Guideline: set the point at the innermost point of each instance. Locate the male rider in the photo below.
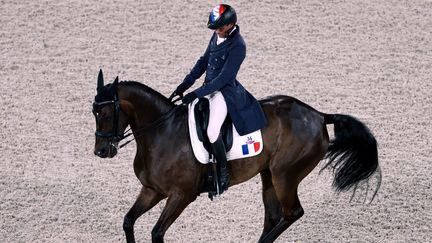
(221, 62)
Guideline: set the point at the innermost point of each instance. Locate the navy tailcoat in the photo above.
(221, 64)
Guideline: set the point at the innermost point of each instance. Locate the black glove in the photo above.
(189, 98)
(174, 94)
(181, 88)
(179, 91)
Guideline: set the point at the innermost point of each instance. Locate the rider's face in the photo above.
(223, 31)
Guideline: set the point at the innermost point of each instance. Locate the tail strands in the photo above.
(352, 155)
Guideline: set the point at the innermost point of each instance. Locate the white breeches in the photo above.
(218, 113)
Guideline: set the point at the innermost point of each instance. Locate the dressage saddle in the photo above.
(202, 114)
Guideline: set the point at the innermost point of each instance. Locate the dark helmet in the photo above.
(221, 15)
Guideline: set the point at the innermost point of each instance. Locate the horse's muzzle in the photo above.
(106, 151)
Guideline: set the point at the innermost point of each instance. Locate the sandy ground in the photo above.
(370, 59)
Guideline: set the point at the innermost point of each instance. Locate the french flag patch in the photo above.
(251, 146)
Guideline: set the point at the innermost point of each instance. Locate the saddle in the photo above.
(202, 114)
(237, 146)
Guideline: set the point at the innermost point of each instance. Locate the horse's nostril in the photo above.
(101, 152)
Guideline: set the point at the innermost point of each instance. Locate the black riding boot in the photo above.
(219, 153)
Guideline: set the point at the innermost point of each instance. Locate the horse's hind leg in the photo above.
(286, 175)
(175, 205)
(291, 211)
(273, 209)
(146, 199)
(285, 179)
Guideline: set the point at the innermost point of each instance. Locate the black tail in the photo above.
(352, 154)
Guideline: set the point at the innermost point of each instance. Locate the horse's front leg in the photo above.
(175, 205)
(146, 199)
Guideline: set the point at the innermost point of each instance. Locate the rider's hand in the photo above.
(189, 98)
(174, 94)
(179, 92)
(181, 88)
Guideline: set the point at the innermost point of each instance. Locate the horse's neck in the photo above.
(148, 105)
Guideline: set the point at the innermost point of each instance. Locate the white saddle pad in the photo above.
(243, 146)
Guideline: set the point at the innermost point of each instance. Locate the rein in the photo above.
(153, 124)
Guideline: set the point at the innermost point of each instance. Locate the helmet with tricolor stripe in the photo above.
(221, 15)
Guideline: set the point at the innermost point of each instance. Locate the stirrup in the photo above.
(214, 180)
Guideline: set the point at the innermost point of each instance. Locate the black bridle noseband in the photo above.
(115, 136)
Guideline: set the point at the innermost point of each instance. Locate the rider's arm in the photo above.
(228, 73)
(199, 68)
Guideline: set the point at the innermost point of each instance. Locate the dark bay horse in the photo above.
(295, 140)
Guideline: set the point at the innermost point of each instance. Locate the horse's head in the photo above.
(110, 120)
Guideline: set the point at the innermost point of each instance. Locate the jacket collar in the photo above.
(233, 35)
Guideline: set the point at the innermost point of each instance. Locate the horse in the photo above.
(295, 140)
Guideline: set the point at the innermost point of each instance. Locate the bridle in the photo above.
(115, 136)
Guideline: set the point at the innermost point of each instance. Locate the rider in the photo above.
(221, 62)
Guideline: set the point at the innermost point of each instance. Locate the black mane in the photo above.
(141, 86)
(108, 91)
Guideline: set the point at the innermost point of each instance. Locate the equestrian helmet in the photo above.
(221, 15)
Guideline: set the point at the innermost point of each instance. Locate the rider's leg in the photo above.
(218, 112)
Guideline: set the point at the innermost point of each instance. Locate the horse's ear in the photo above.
(100, 82)
(113, 86)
